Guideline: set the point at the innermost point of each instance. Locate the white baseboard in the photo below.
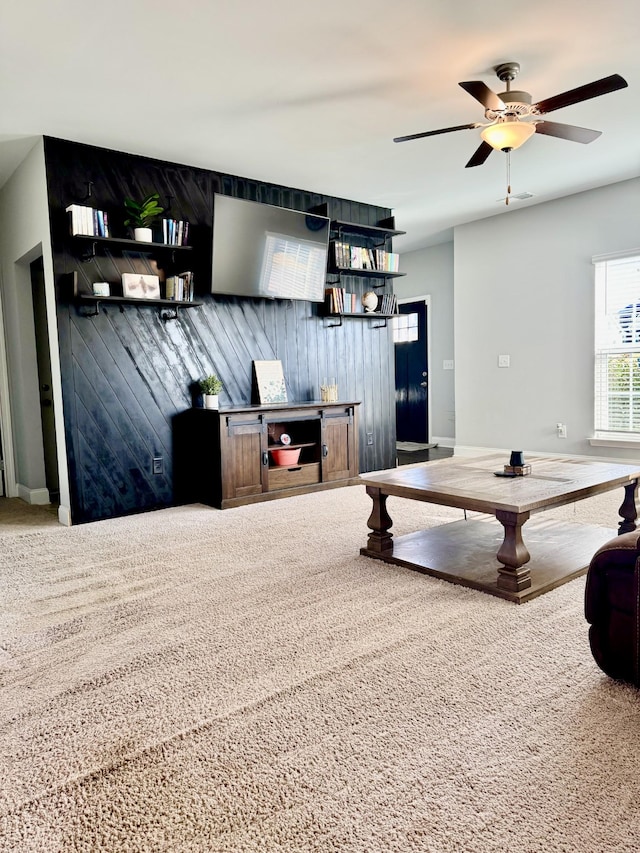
(64, 515)
(468, 450)
(443, 441)
(33, 496)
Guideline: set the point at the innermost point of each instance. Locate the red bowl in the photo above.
(286, 455)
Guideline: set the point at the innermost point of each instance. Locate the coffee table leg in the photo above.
(380, 540)
(628, 509)
(513, 552)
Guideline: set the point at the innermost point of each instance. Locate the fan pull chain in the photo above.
(506, 201)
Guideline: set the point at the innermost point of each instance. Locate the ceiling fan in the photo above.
(505, 129)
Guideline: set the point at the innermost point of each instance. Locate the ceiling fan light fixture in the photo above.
(507, 135)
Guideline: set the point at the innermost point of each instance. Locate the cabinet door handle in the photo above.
(265, 457)
(325, 451)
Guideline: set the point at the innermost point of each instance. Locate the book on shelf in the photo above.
(334, 300)
(87, 221)
(179, 288)
(340, 301)
(351, 303)
(389, 303)
(348, 257)
(175, 232)
(387, 261)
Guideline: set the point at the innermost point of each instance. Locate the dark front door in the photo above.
(412, 373)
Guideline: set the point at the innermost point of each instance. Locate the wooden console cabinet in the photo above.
(223, 457)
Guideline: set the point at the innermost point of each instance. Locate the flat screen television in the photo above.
(268, 251)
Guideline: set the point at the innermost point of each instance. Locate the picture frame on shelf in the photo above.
(269, 382)
(137, 286)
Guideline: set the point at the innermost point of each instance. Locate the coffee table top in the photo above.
(469, 482)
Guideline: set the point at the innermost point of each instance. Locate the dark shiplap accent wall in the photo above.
(126, 373)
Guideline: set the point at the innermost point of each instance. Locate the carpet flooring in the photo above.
(240, 681)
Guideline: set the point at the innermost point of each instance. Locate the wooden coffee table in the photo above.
(478, 553)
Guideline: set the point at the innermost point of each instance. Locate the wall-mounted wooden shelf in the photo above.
(383, 228)
(125, 241)
(364, 273)
(90, 245)
(359, 315)
(366, 230)
(169, 306)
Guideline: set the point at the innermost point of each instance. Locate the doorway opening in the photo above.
(45, 381)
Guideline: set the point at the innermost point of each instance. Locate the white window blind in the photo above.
(617, 347)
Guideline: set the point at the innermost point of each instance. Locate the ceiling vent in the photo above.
(517, 197)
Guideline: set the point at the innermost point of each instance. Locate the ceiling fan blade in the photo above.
(481, 154)
(567, 131)
(436, 132)
(582, 93)
(482, 93)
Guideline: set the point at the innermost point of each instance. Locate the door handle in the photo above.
(265, 457)
(423, 384)
(325, 451)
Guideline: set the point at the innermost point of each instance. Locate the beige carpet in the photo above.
(195, 680)
(16, 515)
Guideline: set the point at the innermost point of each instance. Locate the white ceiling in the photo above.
(310, 95)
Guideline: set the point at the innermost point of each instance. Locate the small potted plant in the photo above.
(142, 215)
(210, 386)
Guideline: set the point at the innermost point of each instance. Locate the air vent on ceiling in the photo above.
(516, 197)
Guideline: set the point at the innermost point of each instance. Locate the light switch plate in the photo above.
(504, 361)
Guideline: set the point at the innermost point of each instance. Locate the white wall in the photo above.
(24, 235)
(430, 273)
(524, 287)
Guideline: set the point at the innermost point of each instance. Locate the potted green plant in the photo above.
(210, 386)
(142, 215)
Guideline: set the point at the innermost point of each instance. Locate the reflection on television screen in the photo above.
(264, 250)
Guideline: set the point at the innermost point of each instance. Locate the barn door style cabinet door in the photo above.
(241, 439)
(258, 453)
(339, 447)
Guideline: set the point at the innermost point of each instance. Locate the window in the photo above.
(405, 328)
(617, 347)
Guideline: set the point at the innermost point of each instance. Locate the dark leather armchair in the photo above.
(612, 602)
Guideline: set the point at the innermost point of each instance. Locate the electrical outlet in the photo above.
(157, 464)
(369, 438)
(447, 364)
(561, 430)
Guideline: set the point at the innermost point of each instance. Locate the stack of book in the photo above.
(175, 232)
(346, 256)
(387, 261)
(180, 287)
(341, 301)
(88, 221)
(388, 303)
(334, 297)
